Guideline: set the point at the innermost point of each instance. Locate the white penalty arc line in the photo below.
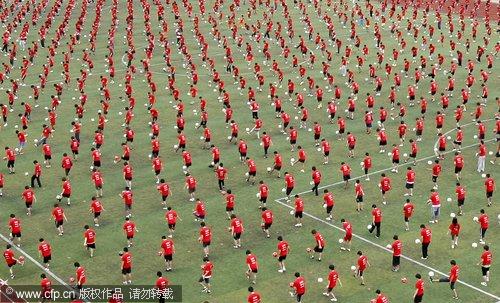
(390, 251)
(386, 169)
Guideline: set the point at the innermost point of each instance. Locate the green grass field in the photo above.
(229, 282)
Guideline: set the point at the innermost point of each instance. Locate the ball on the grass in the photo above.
(475, 219)
(448, 199)
(389, 154)
(341, 240)
(362, 163)
(417, 241)
(58, 197)
(369, 226)
(324, 206)
(159, 253)
(229, 137)
(448, 138)
(71, 280)
(353, 267)
(292, 212)
(91, 167)
(269, 168)
(453, 215)
(292, 160)
(431, 274)
(184, 167)
(201, 137)
(308, 249)
(337, 132)
(475, 136)
(498, 217)
(389, 246)
(247, 129)
(36, 141)
(404, 280)
(283, 190)
(287, 138)
(429, 162)
(320, 280)
(318, 149)
(311, 182)
(26, 173)
(247, 174)
(474, 245)
(405, 155)
(176, 146)
(483, 175)
(275, 254)
(257, 195)
(490, 153)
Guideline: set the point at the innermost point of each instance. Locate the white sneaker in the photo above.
(484, 283)
(298, 225)
(280, 270)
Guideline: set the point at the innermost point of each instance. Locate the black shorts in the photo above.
(16, 235)
(485, 270)
(326, 153)
(329, 209)
(317, 136)
(461, 202)
(47, 157)
(59, 223)
(347, 177)
(396, 260)
(281, 258)
(97, 163)
(11, 163)
(434, 179)
(368, 125)
(267, 226)
(126, 271)
(125, 158)
(419, 131)
(167, 257)
(252, 173)
(237, 236)
(418, 299)
(28, 204)
(359, 199)
(253, 270)
(457, 142)
(489, 194)
(97, 214)
(407, 219)
(396, 161)
(289, 190)
(298, 214)
(413, 155)
(130, 237)
(65, 195)
(294, 141)
(171, 226)
(206, 244)
(12, 264)
(206, 280)
(91, 245)
(47, 259)
(409, 185)
(318, 249)
(263, 199)
(458, 169)
(229, 208)
(191, 190)
(383, 143)
(442, 149)
(276, 167)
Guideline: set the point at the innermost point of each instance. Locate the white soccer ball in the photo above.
(36, 141)
(247, 174)
(283, 190)
(269, 169)
(474, 245)
(287, 139)
(453, 215)
(257, 195)
(318, 149)
(353, 268)
(292, 212)
(247, 129)
(490, 153)
(320, 280)
(202, 138)
(196, 124)
(58, 197)
(362, 163)
(483, 175)
(120, 113)
(417, 241)
(431, 274)
(292, 160)
(341, 240)
(475, 219)
(296, 117)
(337, 132)
(311, 182)
(176, 146)
(389, 154)
(369, 226)
(448, 199)
(475, 136)
(448, 138)
(405, 155)
(92, 119)
(26, 173)
(498, 217)
(324, 206)
(184, 167)
(389, 246)
(309, 129)
(229, 137)
(429, 162)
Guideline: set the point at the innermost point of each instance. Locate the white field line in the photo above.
(385, 169)
(390, 251)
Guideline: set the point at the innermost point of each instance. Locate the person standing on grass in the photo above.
(11, 260)
(419, 289)
(346, 243)
(397, 247)
(161, 285)
(253, 296)
(45, 252)
(481, 157)
(410, 181)
(376, 220)
(362, 265)
(483, 221)
(454, 231)
(319, 247)
(282, 253)
(298, 211)
(426, 235)
(380, 298)
(267, 221)
(489, 186)
(236, 229)
(298, 286)
(96, 208)
(81, 277)
(168, 251)
(385, 186)
(37, 173)
(452, 278)
(359, 193)
(435, 202)
(460, 191)
(15, 229)
(316, 180)
(129, 228)
(126, 266)
(346, 173)
(253, 267)
(206, 274)
(221, 173)
(333, 279)
(89, 240)
(29, 198)
(328, 203)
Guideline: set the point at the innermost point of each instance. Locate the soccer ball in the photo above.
(176, 146)
(320, 280)
(257, 195)
(308, 249)
(353, 268)
(35, 141)
(58, 197)
(452, 215)
(429, 162)
(431, 274)
(404, 280)
(336, 132)
(448, 138)
(362, 163)
(283, 190)
(405, 155)
(201, 138)
(229, 137)
(417, 241)
(341, 241)
(474, 245)
(292, 212)
(475, 136)
(247, 174)
(247, 129)
(26, 173)
(159, 253)
(388, 246)
(369, 226)
(448, 200)
(71, 280)
(311, 182)
(389, 154)
(483, 175)
(319, 149)
(275, 254)
(269, 168)
(91, 167)
(292, 160)
(475, 219)
(21, 259)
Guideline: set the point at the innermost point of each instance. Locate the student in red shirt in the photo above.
(253, 296)
(11, 260)
(221, 173)
(205, 238)
(376, 220)
(15, 229)
(362, 265)
(129, 228)
(380, 298)
(36, 174)
(126, 265)
(419, 289)
(236, 229)
(29, 198)
(452, 278)
(161, 284)
(167, 245)
(253, 267)
(316, 180)
(319, 247)
(483, 222)
(346, 173)
(485, 263)
(408, 209)
(96, 208)
(333, 279)
(46, 288)
(489, 186)
(267, 221)
(206, 274)
(426, 235)
(282, 253)
(45, 252)
(299, 287)
(397, 247)
(89, 239)
(454, 231)
(385, 186)
(81, 277)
